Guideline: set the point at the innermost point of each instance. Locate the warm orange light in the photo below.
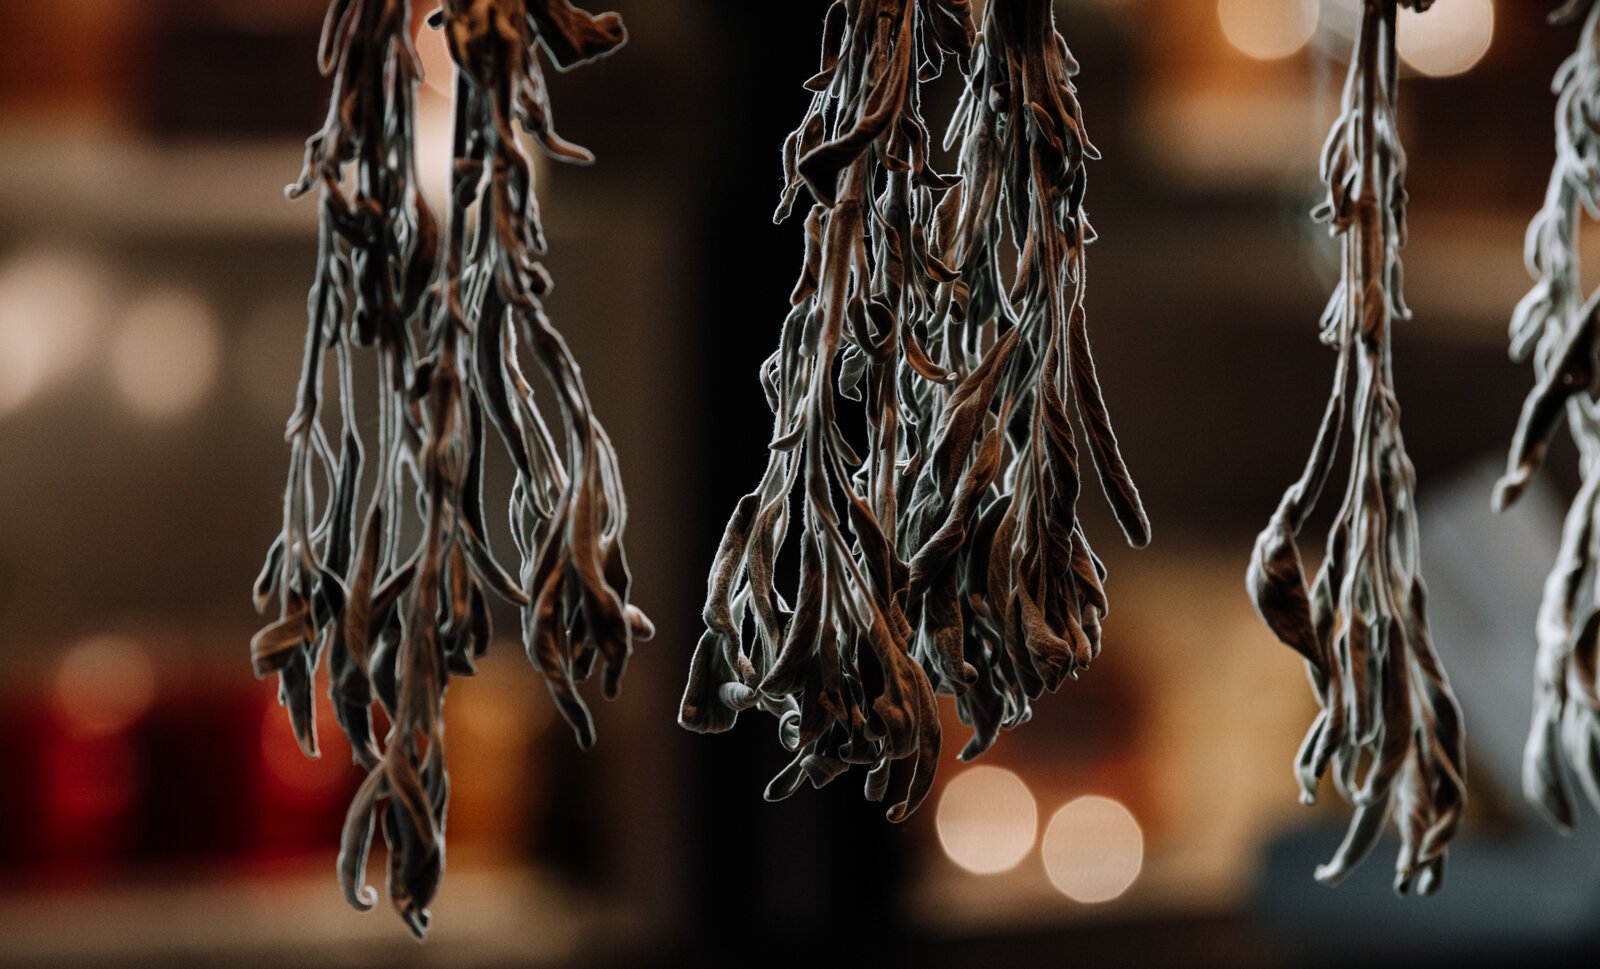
(492, 712)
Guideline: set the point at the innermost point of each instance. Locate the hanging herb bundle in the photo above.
(442, 314)
(1557, 328)
(980, 583)
(1010, 551)
(1389, 725)
(837, 669)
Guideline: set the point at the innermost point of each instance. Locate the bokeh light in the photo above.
(1447, 40)
(987, 820)
(1093, 849)
(103, 686)
(165, 353)
(1268, 29)
(51, 301)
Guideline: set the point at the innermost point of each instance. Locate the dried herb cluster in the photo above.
(1556, 326)
(444, 313)
(958, 565)
(1389, 725)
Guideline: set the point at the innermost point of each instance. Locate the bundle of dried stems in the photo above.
(1389, 724)
(964, 569)
(444, 313)
(1557, 327)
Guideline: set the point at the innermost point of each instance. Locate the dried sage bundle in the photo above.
(1556, 326)
(1389, 725)
(1005, 563)
(837, 668)
(963, 570)
(396, 617)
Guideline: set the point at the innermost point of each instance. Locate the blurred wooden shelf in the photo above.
(92, 182)
(484, 917)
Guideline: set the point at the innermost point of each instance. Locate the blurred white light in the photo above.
(987, 820)
(1268, 29)
(50, 304)
(103, 686)
(1093, 849)
(435, 141)
(1449, 39)
(164, 355)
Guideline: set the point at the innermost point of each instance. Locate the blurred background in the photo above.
(156, 811)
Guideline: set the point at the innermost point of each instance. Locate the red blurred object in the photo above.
(299, 801)
(210, 774)
(91, 785)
